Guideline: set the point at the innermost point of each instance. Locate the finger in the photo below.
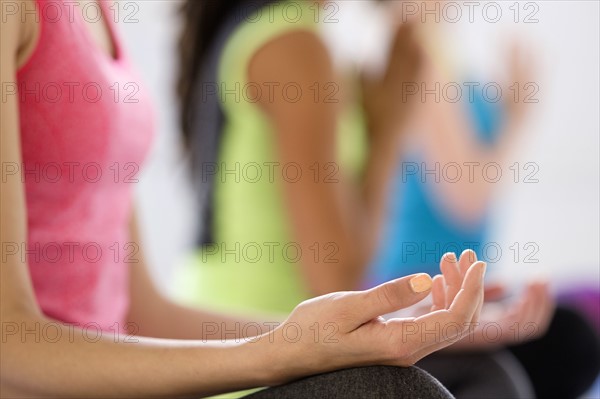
(452, 276)
(445, 340)
(518, 315)
(493, 292)
(448, 333)
(467, 258)
(439, 329)
(527, 317)
(438, 294)
(477, 313)
(469, 298)
(514, 313)
(471, 324)
(530, 306)
(391, 296)
(442, 328)
(543, 308)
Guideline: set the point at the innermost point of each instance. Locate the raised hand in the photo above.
(346, 329)
(384, 98)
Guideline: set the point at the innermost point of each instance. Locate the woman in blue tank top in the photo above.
(418, 227)
(440, 202)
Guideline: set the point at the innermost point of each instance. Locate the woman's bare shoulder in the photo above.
(20, 26)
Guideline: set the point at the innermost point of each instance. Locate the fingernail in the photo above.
(470, 253)
(482, 270)
(420, 283)
(467, 251)
(451, 256)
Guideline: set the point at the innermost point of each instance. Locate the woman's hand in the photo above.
(525, 319)
(384, 98)
(345, 329)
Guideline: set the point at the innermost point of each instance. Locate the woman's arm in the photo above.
(449, 138)
(340, 216)
(41, 356)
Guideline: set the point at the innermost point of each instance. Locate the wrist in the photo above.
(283, 360)
(234, 365)
(272, 359)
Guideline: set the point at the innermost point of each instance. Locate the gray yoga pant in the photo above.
(482, 375)
(375, 382)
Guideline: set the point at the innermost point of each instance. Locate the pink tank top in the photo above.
(86, 125)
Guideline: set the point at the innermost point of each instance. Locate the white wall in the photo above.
(163, 198)
(560, 213)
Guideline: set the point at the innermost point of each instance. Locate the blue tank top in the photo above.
(418, 232)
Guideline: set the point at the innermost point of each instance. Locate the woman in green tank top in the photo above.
(296, 191)
(292, 160)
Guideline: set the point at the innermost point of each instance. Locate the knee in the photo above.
(566, 360)
(578, 340)
(400, 382)
(373, 382)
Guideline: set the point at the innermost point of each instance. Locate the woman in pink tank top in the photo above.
(77, 302)
(86, 125)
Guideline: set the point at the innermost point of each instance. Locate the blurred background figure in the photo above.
(441, 201)
(294, 188)
(292, 160)
(557, 213)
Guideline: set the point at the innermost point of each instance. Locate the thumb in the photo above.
(393, 295)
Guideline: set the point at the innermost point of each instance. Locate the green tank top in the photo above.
(254, 265)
